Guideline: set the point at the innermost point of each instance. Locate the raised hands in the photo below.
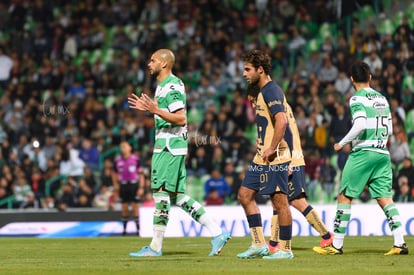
(143, 103)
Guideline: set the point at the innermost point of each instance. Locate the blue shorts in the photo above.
(297, 183)
(267, 179)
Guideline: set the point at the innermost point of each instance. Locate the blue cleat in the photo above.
(254, 251)
(279, 255)
(146, 251)
(218, 243)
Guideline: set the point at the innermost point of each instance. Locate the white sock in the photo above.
(157, 238)
(210, 224)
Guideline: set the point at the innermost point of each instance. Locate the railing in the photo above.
(8, 200)
(49, 183)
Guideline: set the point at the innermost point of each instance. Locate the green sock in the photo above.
(198, 213)
(394, 222)
(160, 218)
(342, 217)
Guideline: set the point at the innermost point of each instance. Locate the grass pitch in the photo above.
(362, 255)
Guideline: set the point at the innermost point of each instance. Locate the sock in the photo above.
(394, 222)
(136, 219)
(285, 236)
(160, 218)
(274, 229)
(315, 221)
(198, 213)
(342, 217)
(256, 229)
(124, 222)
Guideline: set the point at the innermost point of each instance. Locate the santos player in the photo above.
(368, 163)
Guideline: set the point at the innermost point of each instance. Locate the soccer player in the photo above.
(127, 178)
(297, 182)
(168, 172)
(268, 171)
(368, 163)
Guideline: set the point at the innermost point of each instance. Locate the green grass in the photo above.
(362, 255)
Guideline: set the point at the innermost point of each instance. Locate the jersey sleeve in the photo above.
(274, 99)
(357, 108)
(175, 98)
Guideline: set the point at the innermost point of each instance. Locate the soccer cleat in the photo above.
(328, 242)
(273, 249)
(218, 243)
(328, 250)
(254, 251)
(146, 251)
(279, 255)
(398, 250)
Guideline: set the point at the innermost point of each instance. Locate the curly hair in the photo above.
(258, 58)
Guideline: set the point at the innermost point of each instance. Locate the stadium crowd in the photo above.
(67, 67)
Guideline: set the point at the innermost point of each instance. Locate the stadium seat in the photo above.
(326, 30)
(195, 115)
(271, 39)
(386, 26)
(94, 55)
(410, 14)
(398, 18)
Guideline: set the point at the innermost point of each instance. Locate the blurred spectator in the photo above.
(232, 178)
(216, 188)
(6, 64)
(327, 48)
(327, 176)
(343, 84)
(37, 155)
(89, 154)
(405, 192)
(407, 170)
(328, 72)
(104, 198)
(23, 193)
(398, 147)
(373, 60)
(37, 184)
(85, 193)
(71, 164)
(321, 137)
(70, 47)
(106, 173)
(313, 165)
(49, 148)
(213, 198)
(3, 195)
(67, 198)
(314, 63)
(340, 123)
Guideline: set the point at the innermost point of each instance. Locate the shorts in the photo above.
(367, 168)
(128, 192)
(297, 183)
(267, 179)
(168, 171)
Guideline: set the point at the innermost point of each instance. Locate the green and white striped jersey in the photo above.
(171, 97)
(374, 107)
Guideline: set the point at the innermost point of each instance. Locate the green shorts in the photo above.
(168, 171)
(367, 168)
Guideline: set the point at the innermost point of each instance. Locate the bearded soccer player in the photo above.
(168, 172)
(297, 183)
(268, 171)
